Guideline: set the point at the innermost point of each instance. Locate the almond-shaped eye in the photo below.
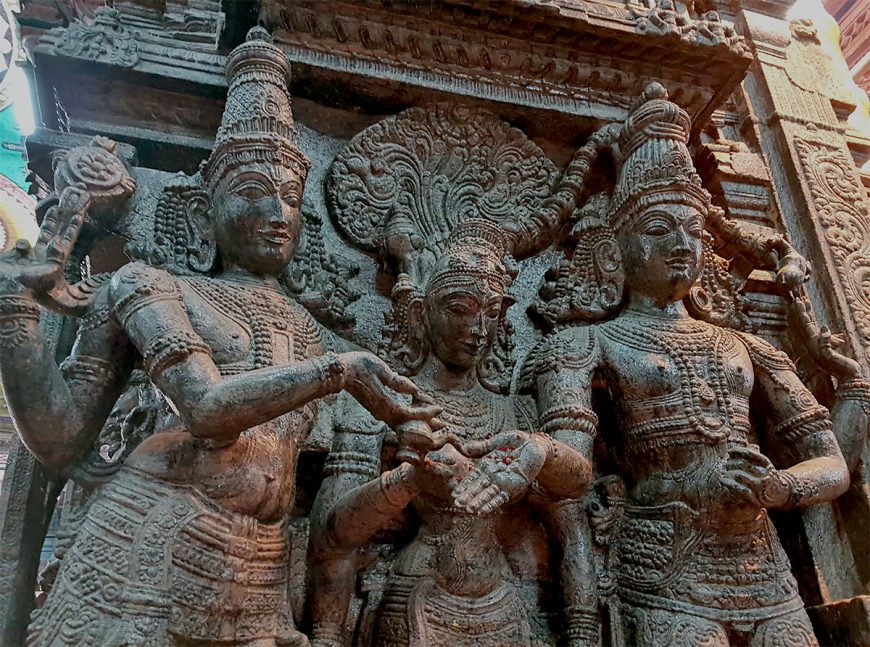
(458, 308)
(251, 191)
(291, 199)
(656, 229)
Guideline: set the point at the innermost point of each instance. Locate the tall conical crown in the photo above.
(655, 166)
(476, 248)
(257, 124)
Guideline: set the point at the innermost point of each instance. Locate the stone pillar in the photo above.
(799, 102)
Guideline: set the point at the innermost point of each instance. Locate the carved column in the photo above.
(795, 95)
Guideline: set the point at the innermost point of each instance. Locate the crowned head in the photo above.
(255, 174)
(659, 204)
(465, 294)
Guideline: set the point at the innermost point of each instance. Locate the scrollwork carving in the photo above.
(106, 40)
(843, 214)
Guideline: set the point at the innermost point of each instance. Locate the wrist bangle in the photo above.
(582, 624)
(17, 316)
(552, 448)
(332, 371)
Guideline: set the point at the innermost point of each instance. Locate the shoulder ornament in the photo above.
(763, 354)
(137, 285)
(574, 348)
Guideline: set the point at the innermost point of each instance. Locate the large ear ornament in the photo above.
(201, 248)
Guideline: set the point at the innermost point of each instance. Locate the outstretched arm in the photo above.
(147, 304)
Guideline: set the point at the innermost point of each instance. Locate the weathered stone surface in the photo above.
(503, 206)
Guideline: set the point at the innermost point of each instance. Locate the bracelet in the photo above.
(854, 389)
(17, 313)
(582, 624)
(569, 417)
(552, 448)
(332, 370)
(799, 490)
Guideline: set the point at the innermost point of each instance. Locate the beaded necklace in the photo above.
(685, 340)
(260, 308)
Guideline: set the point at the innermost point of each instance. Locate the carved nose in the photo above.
(277, 213)
(681, 239)
(478, 328)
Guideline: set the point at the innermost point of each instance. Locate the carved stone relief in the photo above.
(603, 476)
(843, 213)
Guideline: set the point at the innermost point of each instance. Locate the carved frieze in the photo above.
(107, 39)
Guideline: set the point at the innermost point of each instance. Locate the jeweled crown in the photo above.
(475, 249)
(654, 161)
(257, 123)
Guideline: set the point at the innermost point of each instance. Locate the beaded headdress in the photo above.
(656, 166)
(257, 123)
(475, 249)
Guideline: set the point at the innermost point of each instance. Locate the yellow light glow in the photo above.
(829, 38)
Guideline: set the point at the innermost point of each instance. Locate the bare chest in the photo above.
(246, 327)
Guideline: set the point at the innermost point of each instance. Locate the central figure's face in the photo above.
(462, 322)
(662, 251)
(256, 217)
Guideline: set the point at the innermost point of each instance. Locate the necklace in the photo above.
(690, 344)
(261, 309)
(471, 414)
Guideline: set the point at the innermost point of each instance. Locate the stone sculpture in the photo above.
(188, 542)
(456, 581)
(695, 556)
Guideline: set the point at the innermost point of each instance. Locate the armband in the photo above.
(88, 370)
(170, 347)
(856, 390)
(815, 420)
(18, 315)
(569, 417)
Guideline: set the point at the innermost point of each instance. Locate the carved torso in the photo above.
(246, 327)
(681, 391)
(437, 551)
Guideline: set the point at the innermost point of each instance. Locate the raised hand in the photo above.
(377, 387)
(822, 345)
(509, 463)
(39, 269)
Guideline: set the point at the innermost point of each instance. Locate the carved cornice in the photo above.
(120, 40)
(106, 40)
(588, 59)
